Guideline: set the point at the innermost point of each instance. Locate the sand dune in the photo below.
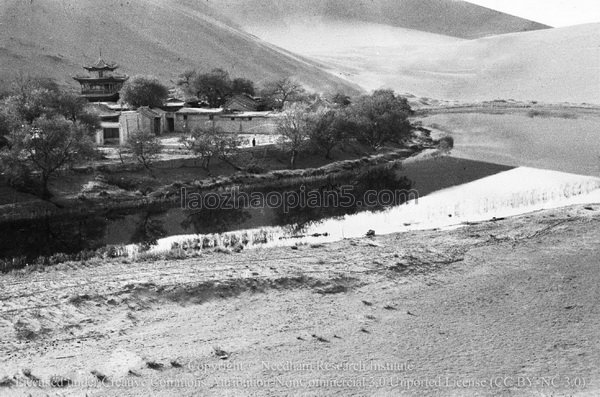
(447, 17)
(160, 37)
(404, 45)
(556, 65)
(419, 46)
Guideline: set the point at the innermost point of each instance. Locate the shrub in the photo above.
(255, 169)
(446, 143)
(132, 183)
(111, 251)
(380, 118)
(547, 113)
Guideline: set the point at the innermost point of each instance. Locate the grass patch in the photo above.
(320, 338)
(549, 113)
(220, 353)
(132, 183)
(7, 382)
(155, 365)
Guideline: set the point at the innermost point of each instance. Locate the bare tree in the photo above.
(45, 147)
(146, 148)
(292, 125)
(280, 92)
(209, 143)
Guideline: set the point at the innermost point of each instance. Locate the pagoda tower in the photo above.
(101, 85)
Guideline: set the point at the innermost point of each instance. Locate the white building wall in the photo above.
(245, 125)
(129, 122)
(191, 122)
(100, 136)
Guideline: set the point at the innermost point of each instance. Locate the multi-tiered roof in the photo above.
(103, 85)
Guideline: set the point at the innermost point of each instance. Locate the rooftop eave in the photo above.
(95, 69)
(101, 79)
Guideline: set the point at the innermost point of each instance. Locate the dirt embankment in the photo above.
(498, 308)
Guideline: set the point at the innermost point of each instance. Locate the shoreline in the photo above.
(95, 203)
(442, 210)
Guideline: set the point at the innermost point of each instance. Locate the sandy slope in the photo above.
(567, 144)
(160, 37)
(446, 17)
(556, 65)
(499, 308)
(416, 46)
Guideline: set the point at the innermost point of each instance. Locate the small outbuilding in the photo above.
(241, 103)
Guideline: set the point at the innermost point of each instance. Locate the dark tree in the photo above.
(46, 146)
(381, 118)
(326, 130)
(71, 105)
(5, 125)
(45, 129)
(243, 86)
(144, 91)
(26, 106)
(25, 83)
(341, 100)
(34, 98)
(214, 87)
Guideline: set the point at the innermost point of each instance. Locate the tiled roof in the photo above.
(199, 111)
(115, 105)
(250, 114)
(148, 112)
(241, 102)
(102, 64)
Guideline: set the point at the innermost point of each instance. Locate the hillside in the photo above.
(448, 17)
(160, 37)
(554, 65)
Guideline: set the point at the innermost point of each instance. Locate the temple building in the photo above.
(102, 85)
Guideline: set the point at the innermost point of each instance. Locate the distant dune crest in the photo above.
(448, 17)
(446, 49)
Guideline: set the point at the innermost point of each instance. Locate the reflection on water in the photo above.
(508, 193)
(70, 235)
(45, 237)
(451, 191)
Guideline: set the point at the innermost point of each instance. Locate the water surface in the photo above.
(70, 235)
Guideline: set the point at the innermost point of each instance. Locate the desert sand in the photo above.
(498, 308)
